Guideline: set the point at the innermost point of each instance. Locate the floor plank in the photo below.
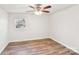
(45, 46)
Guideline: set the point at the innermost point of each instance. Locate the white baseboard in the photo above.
(65, 45)
(30, 39)
(1, 50)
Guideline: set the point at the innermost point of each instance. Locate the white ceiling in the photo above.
(22, 8)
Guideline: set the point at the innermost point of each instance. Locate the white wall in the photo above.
(3, 29)
(65, 26)
(36, 27)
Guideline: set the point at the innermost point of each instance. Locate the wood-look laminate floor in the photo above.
(37, 47)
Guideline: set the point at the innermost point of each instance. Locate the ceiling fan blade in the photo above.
(46, 11)
(31, 7)
(47, 7)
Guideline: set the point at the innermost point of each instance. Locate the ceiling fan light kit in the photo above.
(38, 13)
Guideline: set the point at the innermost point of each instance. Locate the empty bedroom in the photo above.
(39, 29)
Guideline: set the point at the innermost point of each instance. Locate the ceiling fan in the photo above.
(40, 8)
